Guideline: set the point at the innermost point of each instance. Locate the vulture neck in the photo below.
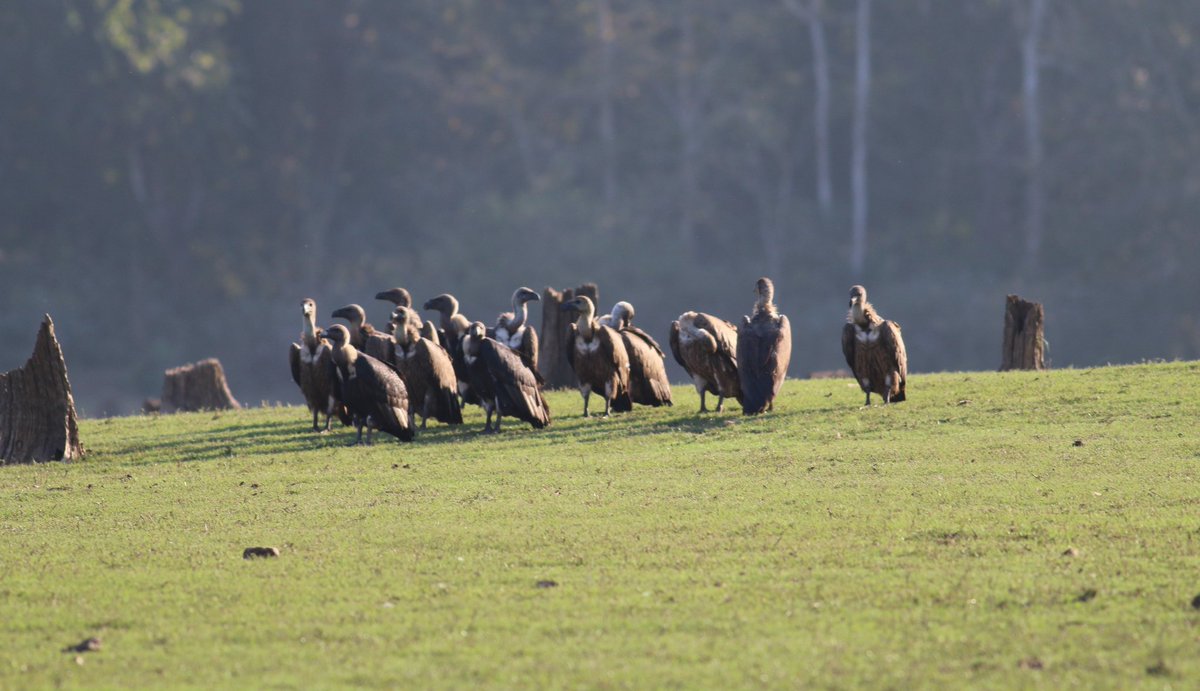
(520, 313)
(407, 334)
(309, 334)
(765, 306)
(586, 325)
(863, 314)
(345, 355)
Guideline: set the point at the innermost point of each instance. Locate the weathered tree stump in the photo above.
(1024, 340)
(552, 358)
(37, 412)
(198, 386)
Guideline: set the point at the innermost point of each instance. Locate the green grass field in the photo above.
(824, 545)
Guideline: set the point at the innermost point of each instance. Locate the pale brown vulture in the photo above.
(874, 350)
(426, 369)
(597, 354)
(451, 330)
(312, 369)
(514, 330)
(373, 391)
(363, 336)
(648, 382)
(764, 349)
(399, 297)
(706, 347)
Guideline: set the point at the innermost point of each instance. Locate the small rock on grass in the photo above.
(87, 645)
(1158, 669)
(1031, 663)
(1087, 595)
(260, 552)
(1071, 552)
(1196, 602)
(547, 584)
(1078, 442)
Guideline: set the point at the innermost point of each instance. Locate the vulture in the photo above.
(373, 392)
(363, 336)
(398, 297)
(504, 384)
(874, 350)
(312, 369)
(707, 348)
(514, 331)
(764, 348)
(597, 354)
(426, 370)
(648, 383)
(453, 327)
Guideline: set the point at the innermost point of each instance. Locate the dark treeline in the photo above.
(176, 176)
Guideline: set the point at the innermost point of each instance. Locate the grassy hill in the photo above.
(823, 545)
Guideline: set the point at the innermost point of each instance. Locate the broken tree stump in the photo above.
(198, 386)
(1024, 339)
(37, 412)
(552, 358)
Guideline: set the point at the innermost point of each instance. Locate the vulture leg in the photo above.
(703, 407)
(868, 403)
(358, 425)
(586, 395)
(607, 406)
(487, 429)
(316, 420)
(498, 419)
(369, 435)
(720, 403)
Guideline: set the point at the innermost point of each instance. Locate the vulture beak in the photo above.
(428, 305)
(342, 313)
(531, 296)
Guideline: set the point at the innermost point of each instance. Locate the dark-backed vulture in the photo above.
(706, 347)
(874, 350)
(597, 354)
(363, 336)
(426, 369)
(504, 384)
(764, 349)
(648, 382)
(399, 297)
(372, 390)
(514, 330)
(451, 329)
(312, 369)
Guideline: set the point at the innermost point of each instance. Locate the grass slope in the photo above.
(822, 545)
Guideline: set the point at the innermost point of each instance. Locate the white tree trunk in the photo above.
(1035, 190)
(811, 13)
(858, 162)
(687, 110)
(608, 128)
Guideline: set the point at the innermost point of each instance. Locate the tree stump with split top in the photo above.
(552, 357)
(1024, 344)
(37, 412)
(198, 386)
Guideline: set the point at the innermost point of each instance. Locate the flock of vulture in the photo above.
(384, 379)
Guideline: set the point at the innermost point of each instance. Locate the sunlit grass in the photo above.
(823, 545)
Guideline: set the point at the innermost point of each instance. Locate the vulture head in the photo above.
(524, 295)
(338, 335)
(351, 313)
(582, 304)
(858, 296)
(445, 303)
(309, 308)
(621, 316)
(475, 335)
(406, 322)
(397, 296)
(764, 290)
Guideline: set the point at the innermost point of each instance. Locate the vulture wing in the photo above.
(764, 350)
(893, 344)
(613, 348)
(648, 383)
(294, 360)
(675, 347)
(517, 389)
(848, 344)
(385, 397)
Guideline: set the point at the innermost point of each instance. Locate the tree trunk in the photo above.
(552, 358)
(1024, 341)
(608, 128)
(37, 412)
(1035, 192)
(858, 162)
(198, 386)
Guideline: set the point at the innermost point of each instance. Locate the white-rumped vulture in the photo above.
(764, 349)
(706, 347)
(399, 297)
(648, 382)
(503, 383)
(426, 370)
(373, 391)
(597, 354)
(514, 330)
(874, 350)
(451, 330)
(363, 336)
(312, 369)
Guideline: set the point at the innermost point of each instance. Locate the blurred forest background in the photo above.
(176, 176)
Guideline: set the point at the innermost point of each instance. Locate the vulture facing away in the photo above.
(426, 370)
(514, 330)
(363, 336)
(312, 369)
(764, 349)
(706, 347)
(648, 382)
(597, 354)
(504, 384)
(874, 350)
(373, 392)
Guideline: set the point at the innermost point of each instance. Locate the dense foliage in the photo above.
(175, 176)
